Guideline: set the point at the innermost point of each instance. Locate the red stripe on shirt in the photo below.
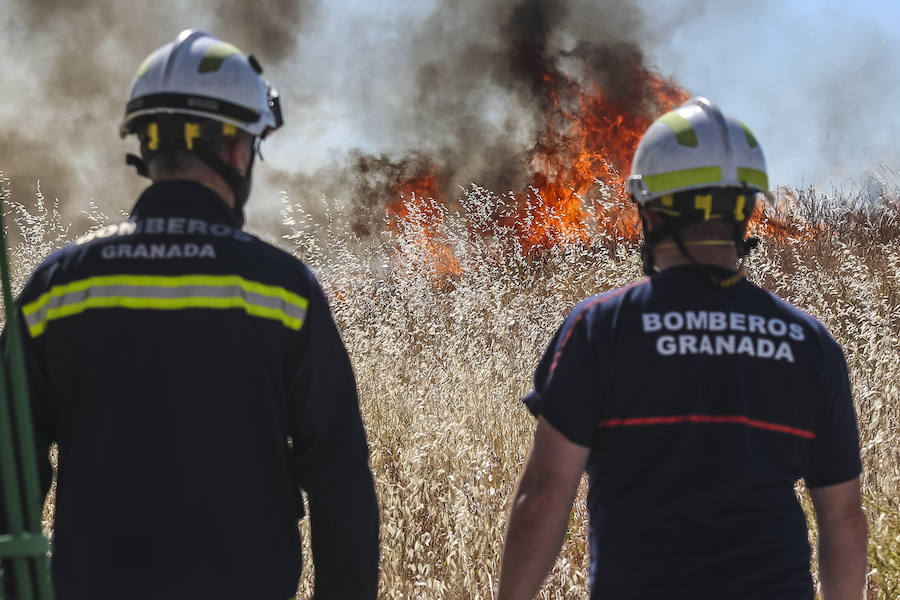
(740, 419)
(599, 300)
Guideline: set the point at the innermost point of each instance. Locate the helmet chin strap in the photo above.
(133, 160)
(720, 282)
(664, 245)
(651, 240)
(239, 184)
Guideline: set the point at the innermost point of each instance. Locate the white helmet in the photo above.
(696, 147)
(200, 75)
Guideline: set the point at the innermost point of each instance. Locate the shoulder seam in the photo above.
(598, 300)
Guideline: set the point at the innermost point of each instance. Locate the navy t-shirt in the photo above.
(702, 407)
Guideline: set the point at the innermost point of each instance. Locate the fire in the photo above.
(592, 143)
(585, 150)
(779, 224)
(418, 203)
(412, 195)
(590, 137)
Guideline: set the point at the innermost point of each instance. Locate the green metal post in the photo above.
(24, 543)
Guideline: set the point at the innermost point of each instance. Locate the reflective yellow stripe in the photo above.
(753, 177)
(144, 290)
(164, 304)
(674, 180)
(167, 281)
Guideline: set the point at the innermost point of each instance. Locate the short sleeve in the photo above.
(835, 449)
(566, 383)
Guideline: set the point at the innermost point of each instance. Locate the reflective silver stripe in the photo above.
(188, 291)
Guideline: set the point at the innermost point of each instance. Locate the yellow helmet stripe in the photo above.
(753, 177)
(145, 66)
(751, 139)
(215, 56)
(681, 127)
(674, 180)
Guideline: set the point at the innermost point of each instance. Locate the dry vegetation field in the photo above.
(443, 351)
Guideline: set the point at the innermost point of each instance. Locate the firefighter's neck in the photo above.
(706, 243)
(199, 174)
(706, 251)
(237, 155)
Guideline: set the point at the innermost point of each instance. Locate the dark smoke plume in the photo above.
(480, 78)
(270, 29)
(468, 93)
(27, 160)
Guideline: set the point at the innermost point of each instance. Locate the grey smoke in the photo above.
(67, 67)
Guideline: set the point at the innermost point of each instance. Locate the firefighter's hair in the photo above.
(170, 142)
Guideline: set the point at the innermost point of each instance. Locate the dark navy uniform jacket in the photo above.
(195, 381)
(702, 407)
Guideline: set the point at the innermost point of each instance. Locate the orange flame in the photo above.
(414, 193)
(594, 142)
(419, 198)
(783, 227)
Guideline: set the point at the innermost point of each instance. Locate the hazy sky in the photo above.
(818, 82)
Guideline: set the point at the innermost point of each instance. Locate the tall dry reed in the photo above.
(444, 328)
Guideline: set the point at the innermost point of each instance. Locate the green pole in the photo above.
(12, 498)
(24, 543)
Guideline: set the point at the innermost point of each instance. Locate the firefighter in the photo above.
(192, 375)
(695, 401)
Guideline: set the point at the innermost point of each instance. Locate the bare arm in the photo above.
(540, 512)
(842, 540)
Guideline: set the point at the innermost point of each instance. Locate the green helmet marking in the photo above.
(684, 131)
(751, 139)
(673, 180)
(753, 177)
(215, 56)
(145, 66)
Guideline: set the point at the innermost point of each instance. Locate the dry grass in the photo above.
(442, 357)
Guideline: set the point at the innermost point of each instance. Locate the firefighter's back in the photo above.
(715, 402)
(167, 342)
